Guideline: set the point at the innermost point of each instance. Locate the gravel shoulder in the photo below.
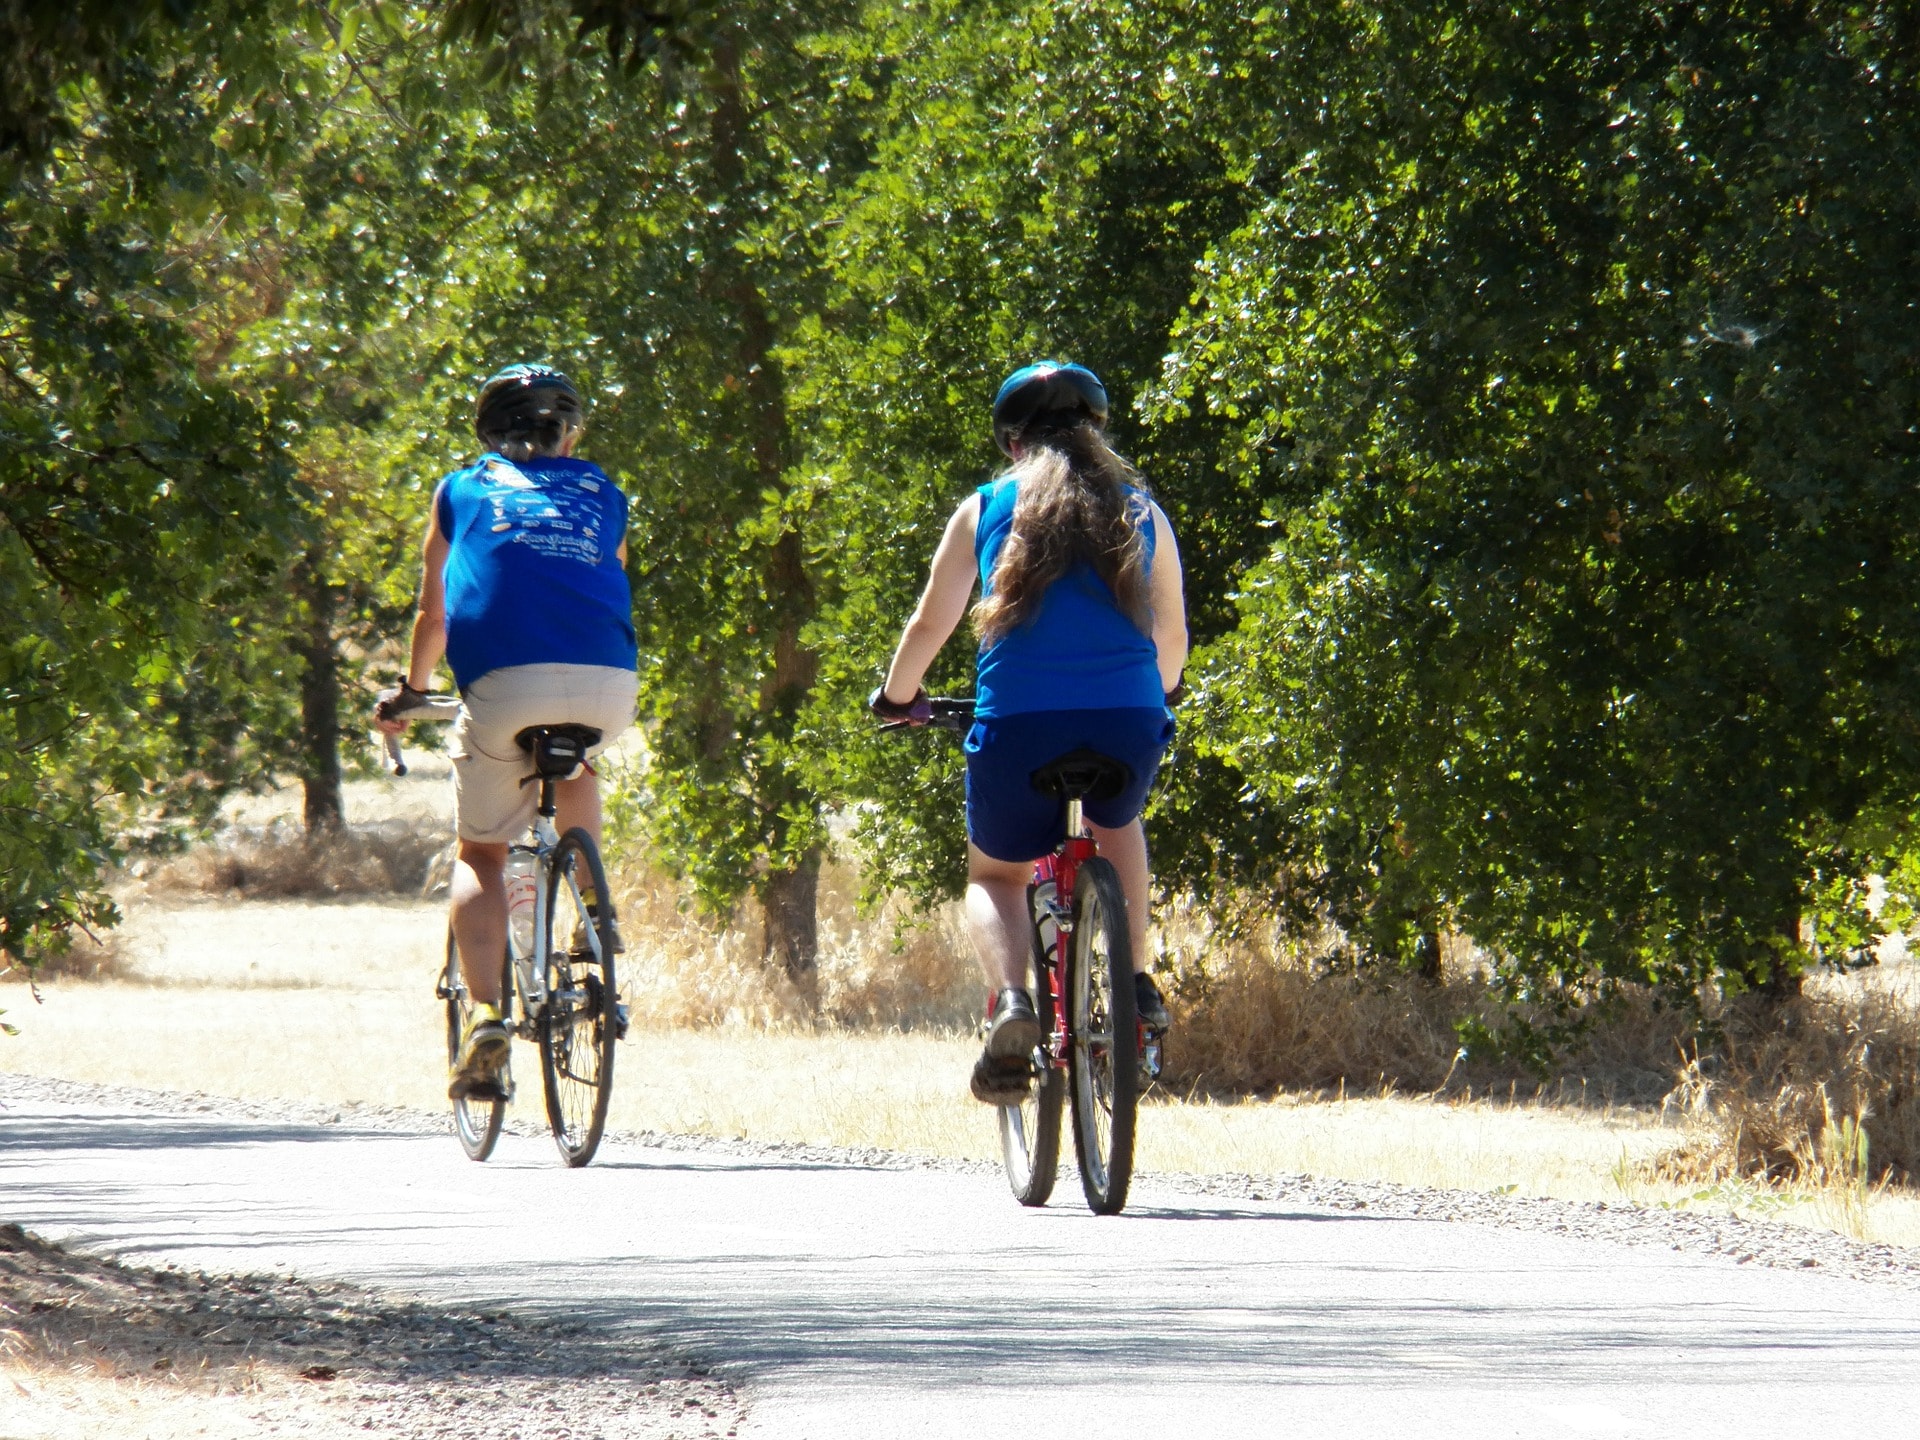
(90, 1347)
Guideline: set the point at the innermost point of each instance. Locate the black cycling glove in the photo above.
(916, 711)
(397, 701)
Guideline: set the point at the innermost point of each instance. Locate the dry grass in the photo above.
(333, 1003)
(101, 956)
(1819, 1096)
(889, 971)
(1258, 1016)
(281, 861)
(1824, 1093)
(1273, 1067)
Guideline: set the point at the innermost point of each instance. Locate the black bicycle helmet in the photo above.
(1046, 396)
(527, 402)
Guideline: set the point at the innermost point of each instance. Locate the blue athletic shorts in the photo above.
(1009, 819)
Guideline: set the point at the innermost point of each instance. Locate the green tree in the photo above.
(1573, 347)
(664, 223)
(1044, 183)
(140, 500)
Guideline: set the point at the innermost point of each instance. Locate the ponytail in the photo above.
(1072, 508)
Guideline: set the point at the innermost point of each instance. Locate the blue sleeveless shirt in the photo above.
(1079, 651)
(532, 576)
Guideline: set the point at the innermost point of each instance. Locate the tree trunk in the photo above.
(790, 899)
(1784, 981)
(789, 896)
(319, 698)
(1426, 956)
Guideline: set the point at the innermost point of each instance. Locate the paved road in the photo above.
(851, 1302)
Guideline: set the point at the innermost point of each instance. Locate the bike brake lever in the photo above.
(394, 757)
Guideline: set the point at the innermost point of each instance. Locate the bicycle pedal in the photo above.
(622, 1017)
(1152, 1055)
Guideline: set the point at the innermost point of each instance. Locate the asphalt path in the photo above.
(849, 1301)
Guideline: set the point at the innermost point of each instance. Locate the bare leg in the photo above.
(1127, 849)
(479, 913)
(997, 917)
(577, 802)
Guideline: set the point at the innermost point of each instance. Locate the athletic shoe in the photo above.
(1013, 1029)
(483, 1054)
(581, 945)
(1000, 1082)
(1148, 1005)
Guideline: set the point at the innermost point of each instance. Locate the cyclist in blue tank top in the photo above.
(524, 592)
(1083, 635)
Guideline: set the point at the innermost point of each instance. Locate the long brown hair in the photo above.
(1073, 508)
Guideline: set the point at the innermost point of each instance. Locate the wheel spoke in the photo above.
(576, 1043)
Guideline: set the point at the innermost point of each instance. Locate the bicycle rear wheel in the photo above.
(1030, 1131)
(581, 1020)
(476, 1119)
(1104, 1049)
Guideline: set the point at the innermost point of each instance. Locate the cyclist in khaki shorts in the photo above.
(523, 590)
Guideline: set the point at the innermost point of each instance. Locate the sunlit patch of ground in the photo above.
(333, 1002)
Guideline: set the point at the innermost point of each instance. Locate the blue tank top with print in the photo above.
(1079, 651)
(532, 572)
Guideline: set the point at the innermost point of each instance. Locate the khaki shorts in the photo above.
(490, 804)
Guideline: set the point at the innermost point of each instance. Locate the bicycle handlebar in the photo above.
(953, 713)
(439, 709)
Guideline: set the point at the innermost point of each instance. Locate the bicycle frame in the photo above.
(530, 972)
(1061, 868)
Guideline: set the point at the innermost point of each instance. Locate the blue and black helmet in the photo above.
(525, 402)
(1046, 396)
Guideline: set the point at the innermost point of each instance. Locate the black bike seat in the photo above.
(557, 750)
(1083, 774)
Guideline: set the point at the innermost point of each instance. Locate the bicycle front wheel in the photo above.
(476, 1119)
(1030, 1131)
(582, 1016)
(1103, 1049)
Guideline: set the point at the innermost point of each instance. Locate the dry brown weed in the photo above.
(281, 861)
(1255, 1014)
(888, 970)
(1823, 1091)
(93, 957)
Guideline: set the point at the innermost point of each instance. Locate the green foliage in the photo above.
(45, 47)
(140, 501)
(632, 31)
(1043, 185)
(1572, 344)
(1533, 391)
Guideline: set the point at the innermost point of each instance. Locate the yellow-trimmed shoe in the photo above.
(581, 945)
(483, 1054)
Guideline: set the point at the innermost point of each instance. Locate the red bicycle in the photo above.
(1081, 979)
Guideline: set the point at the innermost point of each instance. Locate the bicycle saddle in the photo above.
(1083, 774)
(557, 750)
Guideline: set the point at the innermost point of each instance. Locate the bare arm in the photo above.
(943, 604)
(1168, 589)
(430, 620)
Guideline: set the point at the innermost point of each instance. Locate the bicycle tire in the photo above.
(1030, 1131)
(476, 1122)
(580, 1023)
(1103, 1037)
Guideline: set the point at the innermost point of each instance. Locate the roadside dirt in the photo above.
(92, 1348)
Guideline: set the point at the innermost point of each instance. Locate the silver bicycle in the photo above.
(557, 985)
